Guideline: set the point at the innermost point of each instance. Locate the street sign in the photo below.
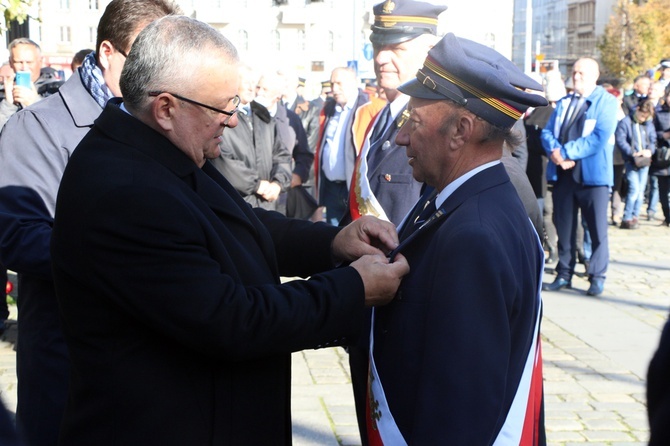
(367, 51)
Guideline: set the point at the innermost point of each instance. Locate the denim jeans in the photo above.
(637, 181)
(653, 195)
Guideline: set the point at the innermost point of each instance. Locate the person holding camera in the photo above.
(23, 89)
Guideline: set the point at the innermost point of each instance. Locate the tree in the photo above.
(15, 9)
(636, 37)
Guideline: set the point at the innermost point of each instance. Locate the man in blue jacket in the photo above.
(579, 140)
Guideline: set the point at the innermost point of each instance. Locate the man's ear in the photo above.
(104, 52)
(163, 112)
(463, 130)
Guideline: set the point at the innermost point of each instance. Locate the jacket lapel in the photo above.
(222, 198)
(378, 152)
(488, 178)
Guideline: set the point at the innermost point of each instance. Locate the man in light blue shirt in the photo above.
(336, 151)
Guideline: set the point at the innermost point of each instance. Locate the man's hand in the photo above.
(646, 153)
(268, 191)
(367, 235)
(24, 96)
(556, 157)
(296, 180)
(381, 279)
(567, 164)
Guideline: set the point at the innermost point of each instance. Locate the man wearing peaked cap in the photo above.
(455, 358)
(382, 183)
(402, 34)
(399, 21)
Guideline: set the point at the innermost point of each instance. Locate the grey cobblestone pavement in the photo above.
(596, 352)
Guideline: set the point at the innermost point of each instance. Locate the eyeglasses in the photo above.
(235, 101)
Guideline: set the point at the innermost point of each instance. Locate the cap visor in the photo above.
(416, 89)
(390, 38)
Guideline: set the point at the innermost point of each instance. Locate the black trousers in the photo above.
(570, 196)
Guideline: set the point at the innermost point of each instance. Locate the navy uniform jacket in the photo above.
(451, 347)
(390, 175)
(168, 282)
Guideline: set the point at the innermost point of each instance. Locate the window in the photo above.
(65, 34)
(301, 39)
(243, 40)
(64, 4)
(331, 41)
(279, 2)
(93, 4)
(92, 34)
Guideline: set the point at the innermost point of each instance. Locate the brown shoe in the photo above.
(626, 224)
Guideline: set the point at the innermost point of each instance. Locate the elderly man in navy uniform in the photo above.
(455, 357)
(382, 183)
(402, 34)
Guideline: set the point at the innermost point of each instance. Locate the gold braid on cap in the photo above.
(493, 102)
(391, 20)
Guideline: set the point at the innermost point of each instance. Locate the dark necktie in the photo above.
(425, 214)
(570, 117)
(381, 125)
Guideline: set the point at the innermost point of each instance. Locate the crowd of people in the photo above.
(633, 161)
(150, 220)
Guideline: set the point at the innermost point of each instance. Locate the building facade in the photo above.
(562, 30)
(308, 37)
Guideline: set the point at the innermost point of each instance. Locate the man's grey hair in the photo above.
(164, 56)
(23, 41)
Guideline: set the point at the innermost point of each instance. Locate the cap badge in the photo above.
(388, 7)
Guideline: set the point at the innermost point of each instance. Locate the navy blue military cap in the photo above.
(476, 77)
(401, 20)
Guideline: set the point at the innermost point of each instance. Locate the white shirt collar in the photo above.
(458, 182)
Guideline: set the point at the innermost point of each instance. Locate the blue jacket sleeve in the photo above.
(604, 113)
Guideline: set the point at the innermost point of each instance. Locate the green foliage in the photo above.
(15, 9)
(636, 37)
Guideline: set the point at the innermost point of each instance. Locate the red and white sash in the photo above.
(382, 428)
(522, 425)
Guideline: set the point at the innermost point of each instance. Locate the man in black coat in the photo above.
(178, 327)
